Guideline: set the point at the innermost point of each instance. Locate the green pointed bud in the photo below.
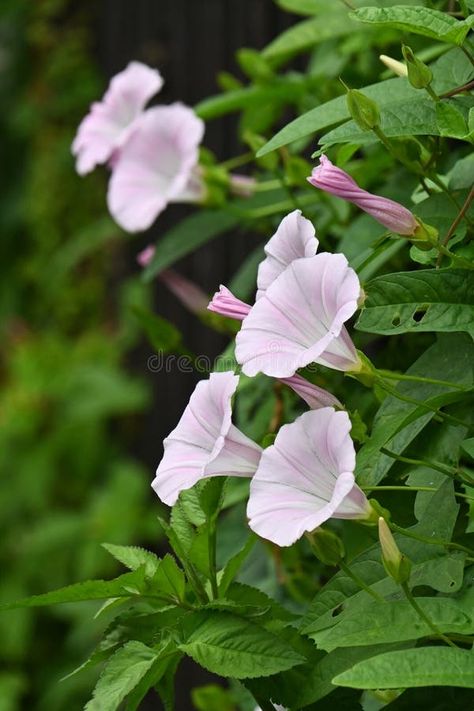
(395, 563)
(363, 110)
(326, 546)
(420, 75)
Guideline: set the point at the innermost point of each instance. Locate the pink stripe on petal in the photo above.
(305, 478)
(205, 443)
(313, 395)
(226, 304)
(155, 166)
(294, 238)
(106, 127)
(300, 317)
(389, 213)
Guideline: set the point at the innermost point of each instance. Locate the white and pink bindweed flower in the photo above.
(395, 217)
(157, 165)
(108, 125)
(300, 319)
(205, 443)
(305, 478)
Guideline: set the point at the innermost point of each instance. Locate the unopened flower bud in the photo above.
(394, 562)
(420, 75)
(363, 110)
(326, 546)
(397, 67)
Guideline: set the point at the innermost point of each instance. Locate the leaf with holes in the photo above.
(425, 300)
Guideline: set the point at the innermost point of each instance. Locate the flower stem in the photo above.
(419, 379)
(421, 613)
(432, 541)
(437, 466)
(350, 573)
(412, 488)
(237, 161)
(211, 538)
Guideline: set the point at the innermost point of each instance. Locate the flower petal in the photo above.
(205, 443)
(305, 478)
(294, 238)
(155, 165)
(300, 317)
(313, 395)
(106, 126)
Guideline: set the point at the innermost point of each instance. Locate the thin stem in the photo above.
(211, 537)
(459, 261)
(344, 567)
(267, 185)
(468, 55)
(458, 90)
(419, 379)
(421, 613)
(412, 488)
(430, 408)
(437, 466)
(237, 161)
(460, 216)
(432, 93)
(431, 541)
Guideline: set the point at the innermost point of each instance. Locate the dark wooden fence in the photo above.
(189, 41)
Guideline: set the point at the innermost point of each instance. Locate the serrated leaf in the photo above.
(232, 567)
(169, 579)
(232, 646)
(133, 557)
(425, 666)
(419, 20)
(121, 675)
(123, 586)
(397, 423)
(424, 300)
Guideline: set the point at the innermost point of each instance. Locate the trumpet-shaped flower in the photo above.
(300, 319)
(390, 214)
(305, 478)
(226, 304)
(157, 165)
(108, 124)
(205, 443)
(294, 238)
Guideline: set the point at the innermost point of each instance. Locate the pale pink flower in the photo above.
(305, 478)
(294, 238)
(226, 304)
(242, 185)
(300, 319)
(146, 255)
(156, 166)
(205, 443)
(189, 293)
(390, 214)
(313, 395)
(108, 124)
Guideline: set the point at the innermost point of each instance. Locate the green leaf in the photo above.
(169, 579)
(232, 646)
(424, 300)
(187, 236)
(121, 675)
(425, 666)
(212, 698)
(468, 447)
(233, 566)
(395, 621)
(123, 586)
(447, 71)
(134, 557)
(162, 334)
(450, 120)
(308, 33)
(162, 664)
(419, 20)
(397, 423)
(462, 174)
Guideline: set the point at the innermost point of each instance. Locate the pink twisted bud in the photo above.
(390, 214)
